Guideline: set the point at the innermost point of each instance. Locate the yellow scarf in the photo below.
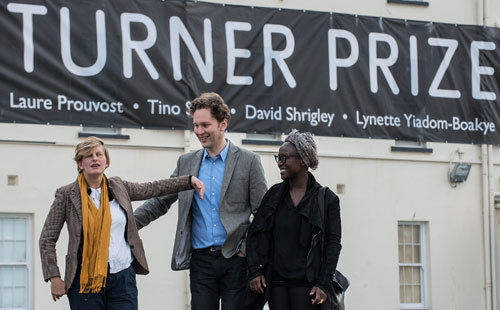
(96, 233)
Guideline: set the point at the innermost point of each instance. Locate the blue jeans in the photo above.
(214, 277)
(120, 293)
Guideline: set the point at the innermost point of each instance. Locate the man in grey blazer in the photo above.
(210, 237)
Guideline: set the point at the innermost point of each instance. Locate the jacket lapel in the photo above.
(76, 199)
(194, 169)
(231, 160)
(117, 194)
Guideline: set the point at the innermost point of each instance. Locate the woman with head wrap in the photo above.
(286, 262)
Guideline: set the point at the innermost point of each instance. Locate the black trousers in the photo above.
(214, 278)
(120, 293)
(291, 298)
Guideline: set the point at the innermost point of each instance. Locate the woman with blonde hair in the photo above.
(105, 251)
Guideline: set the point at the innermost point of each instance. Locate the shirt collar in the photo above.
(222, 154)
(110, 194)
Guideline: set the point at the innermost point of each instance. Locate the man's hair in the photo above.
(85, 148)
(213, 102)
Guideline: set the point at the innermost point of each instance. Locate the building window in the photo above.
(15, 258)
(411, 146)
(411, 265)
(102, 132)
(262, 139)
(410, 2)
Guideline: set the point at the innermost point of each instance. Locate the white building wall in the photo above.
(381, 188)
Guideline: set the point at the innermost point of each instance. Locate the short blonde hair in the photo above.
(85, 148)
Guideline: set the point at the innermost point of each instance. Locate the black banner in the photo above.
(137, 63)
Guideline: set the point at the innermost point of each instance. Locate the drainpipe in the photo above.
(492, 228)
(187, 146)
(486, 225)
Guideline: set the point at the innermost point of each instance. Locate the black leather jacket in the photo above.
(259, 239)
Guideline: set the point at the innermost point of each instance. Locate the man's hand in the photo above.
(258, 284)
(57, 288)
(198, 185)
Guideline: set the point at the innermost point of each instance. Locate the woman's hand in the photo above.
(198, 185)
(258, 284)
(57, 288)
(317, 295)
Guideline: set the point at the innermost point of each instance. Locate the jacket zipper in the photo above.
(312, 244)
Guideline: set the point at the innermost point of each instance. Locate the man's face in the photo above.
(208, 130)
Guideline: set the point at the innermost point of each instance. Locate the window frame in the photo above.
(423, 266)
(29, 256)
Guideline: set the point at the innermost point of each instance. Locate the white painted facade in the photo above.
(381, 188)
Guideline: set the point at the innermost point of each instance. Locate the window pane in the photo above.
(3, 250)
(20, 251)
(401, 254)
(407, 274)
(19, 276)
(7, 229)
(18, 297)
(5, 297)
(408, 294)
(6, 273)
(406, 234)
(416, 234)
(416, 294)
(408, 254)
(7, 251)
(416, 252)
(415, 275)
(20, 229)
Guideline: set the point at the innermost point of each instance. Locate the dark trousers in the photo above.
(214, 277)
(120, 293)
(291, 298)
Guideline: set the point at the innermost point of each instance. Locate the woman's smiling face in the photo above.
(289, 161)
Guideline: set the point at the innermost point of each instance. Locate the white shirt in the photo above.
(120, 256)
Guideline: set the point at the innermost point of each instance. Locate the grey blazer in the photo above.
(67, 207)
(243, 187)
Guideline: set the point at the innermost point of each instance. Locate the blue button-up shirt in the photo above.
(207, 227)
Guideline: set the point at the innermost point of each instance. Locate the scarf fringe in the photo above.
(93, 285)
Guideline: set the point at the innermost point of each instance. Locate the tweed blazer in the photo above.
(67, 207)
(243, 186)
